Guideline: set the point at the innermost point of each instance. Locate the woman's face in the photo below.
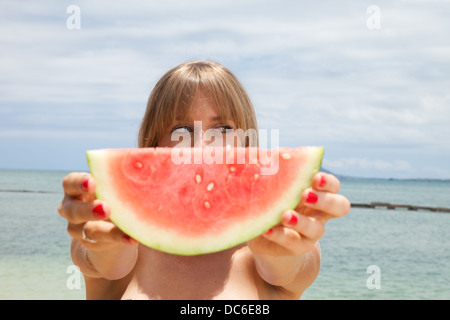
(202, 127)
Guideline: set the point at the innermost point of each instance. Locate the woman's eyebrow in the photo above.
(214, 118)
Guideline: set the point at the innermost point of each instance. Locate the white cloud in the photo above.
(313, 69)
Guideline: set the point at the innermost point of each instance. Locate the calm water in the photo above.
(410, 250)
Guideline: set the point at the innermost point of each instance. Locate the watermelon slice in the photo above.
(197, 205)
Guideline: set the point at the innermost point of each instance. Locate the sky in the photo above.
(368, 80)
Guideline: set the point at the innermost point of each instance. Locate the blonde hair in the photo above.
(174, 94)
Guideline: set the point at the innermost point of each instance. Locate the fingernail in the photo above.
(312, 198)
(85, 185)
(128, 239)
(323, 181)
(99, 212)
(268, 232)
(293, 220)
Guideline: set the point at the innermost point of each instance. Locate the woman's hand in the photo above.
(99, 247)
(280, 252)
(88, 217)
(302, 227)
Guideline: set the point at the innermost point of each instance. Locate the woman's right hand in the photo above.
(87, 216)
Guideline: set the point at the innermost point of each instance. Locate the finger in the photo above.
(326, 182)
(100, 232)
(106, 232)
(334, 205)
(289, 241)
(76, 211)
(309, 227)
(77, 183)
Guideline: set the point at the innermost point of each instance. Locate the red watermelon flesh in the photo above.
(200, 206)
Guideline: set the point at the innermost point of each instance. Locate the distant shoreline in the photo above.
(339, 176)
(346, 177)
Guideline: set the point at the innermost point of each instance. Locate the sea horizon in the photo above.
(35, 246)
(338, 175)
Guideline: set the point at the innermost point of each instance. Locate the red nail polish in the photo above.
(268, 232)
(293, 220)
(323, 181)
(85, 185)
(312, 198)
(99, 212)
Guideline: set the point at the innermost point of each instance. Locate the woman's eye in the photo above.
(182, 130)
(223, 129)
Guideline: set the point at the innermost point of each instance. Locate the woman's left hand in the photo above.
(301, 228)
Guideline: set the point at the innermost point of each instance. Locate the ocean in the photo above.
(369, 254)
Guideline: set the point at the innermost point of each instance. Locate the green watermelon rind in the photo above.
(174, 243)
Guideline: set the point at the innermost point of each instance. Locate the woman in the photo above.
(279, 264)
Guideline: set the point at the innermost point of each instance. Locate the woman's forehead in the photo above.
(203, 106)
(190, 118)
